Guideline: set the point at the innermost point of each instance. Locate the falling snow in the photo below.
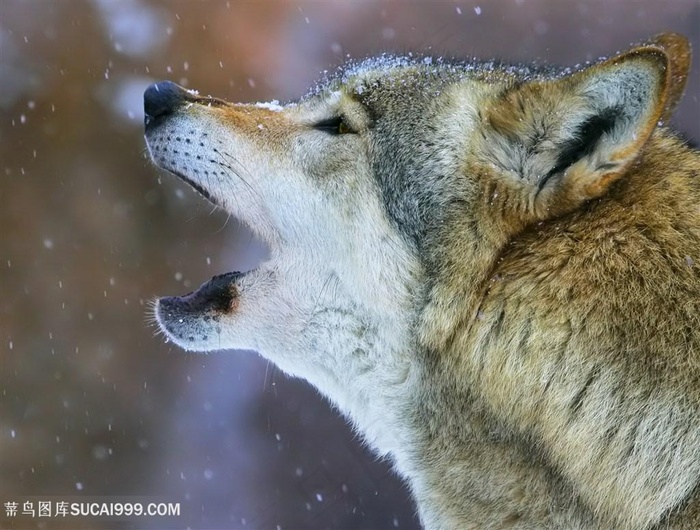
(90, 413)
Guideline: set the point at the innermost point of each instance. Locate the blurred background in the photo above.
(92, 403)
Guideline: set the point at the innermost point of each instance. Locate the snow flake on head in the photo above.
(382, 63)
(273, 105)
(364, 74)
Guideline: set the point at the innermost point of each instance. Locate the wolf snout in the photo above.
(163, 98)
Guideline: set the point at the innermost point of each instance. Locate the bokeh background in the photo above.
(92, 403)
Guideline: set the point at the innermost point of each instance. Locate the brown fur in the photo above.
(493, 271)
(573, 372)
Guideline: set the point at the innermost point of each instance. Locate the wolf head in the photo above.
(377, 186)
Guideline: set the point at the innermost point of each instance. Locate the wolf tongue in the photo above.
(218, 295)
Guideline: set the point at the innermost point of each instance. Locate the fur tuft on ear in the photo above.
(567, 140)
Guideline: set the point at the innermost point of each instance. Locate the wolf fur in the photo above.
(493, 272)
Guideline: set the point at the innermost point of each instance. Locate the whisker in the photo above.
(150, 311)
(325, 286)
(236, 173)
(225, 224)
(267, 368)
(152, 319)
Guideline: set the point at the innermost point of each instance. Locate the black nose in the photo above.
(163, 98)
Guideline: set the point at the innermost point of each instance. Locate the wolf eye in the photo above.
(336, 125)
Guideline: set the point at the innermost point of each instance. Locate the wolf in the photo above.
(492, 270)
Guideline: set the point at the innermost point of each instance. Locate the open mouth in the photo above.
(193, 320)
(180, 145)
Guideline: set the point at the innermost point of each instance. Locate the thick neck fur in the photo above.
(539, 362)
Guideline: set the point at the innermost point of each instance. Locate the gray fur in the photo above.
(491, 270)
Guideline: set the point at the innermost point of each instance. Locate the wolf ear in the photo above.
(569, 139)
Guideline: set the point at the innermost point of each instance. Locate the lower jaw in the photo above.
(217, 296)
